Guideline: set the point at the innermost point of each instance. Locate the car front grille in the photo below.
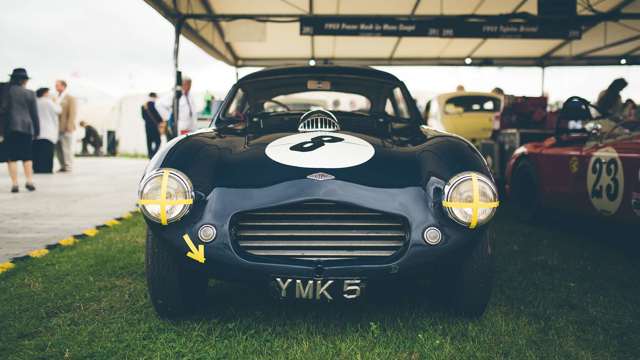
(319, 230)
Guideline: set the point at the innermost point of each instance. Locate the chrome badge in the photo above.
(320, 176)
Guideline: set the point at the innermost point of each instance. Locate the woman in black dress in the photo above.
(22, 127)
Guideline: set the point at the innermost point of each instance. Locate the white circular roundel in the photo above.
(605, 180)
(325, 150)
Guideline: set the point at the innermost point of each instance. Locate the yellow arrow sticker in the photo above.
(196, 254)
(475, 205)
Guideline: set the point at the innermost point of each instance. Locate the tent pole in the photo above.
(542, 82)
(178, 85)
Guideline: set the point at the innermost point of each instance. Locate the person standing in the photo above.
(152, 123)
(22, 127)
(48, 112)
(188, 116)
(67, 126)
(609, 100)
(629, 110)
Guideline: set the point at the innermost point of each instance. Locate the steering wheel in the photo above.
(278, 103)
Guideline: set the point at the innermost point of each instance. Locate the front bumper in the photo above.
(223, 260)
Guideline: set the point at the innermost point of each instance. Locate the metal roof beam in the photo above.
(173, 17)
(632, 51)
(584, 19)
(395, 46)
(616, 10)
(477, 47)
(209, 9)
(313, 41)
(502, 62)
(608, 46)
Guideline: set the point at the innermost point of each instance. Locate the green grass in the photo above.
(561, 292)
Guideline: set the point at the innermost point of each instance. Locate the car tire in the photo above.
(465, 288)
(524, 191)
(174, 290)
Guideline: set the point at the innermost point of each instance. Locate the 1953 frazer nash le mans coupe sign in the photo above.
(320, 200)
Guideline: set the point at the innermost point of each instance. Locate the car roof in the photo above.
(467, 93)
(320, 70)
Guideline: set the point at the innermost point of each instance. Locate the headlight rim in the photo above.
(185, 182)
(455, 181)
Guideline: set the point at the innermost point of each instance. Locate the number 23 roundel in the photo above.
(605, 180)
(325, 150)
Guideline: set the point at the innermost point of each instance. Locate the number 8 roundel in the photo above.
(320, 149)
(605, 181)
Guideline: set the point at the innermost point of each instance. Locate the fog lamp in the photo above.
(207, 233)
(432, 236)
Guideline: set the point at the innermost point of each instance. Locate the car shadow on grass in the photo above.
(230, 302)
(563, 282)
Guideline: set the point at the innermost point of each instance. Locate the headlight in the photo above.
(165, 196)
(470, 199)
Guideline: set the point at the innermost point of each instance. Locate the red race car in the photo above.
(590, 167)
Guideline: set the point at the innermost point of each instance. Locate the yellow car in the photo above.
(469, 114)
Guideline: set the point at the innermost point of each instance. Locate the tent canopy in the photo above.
(267, 32)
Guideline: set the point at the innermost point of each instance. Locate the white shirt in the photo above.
(188, 115)
(58, 99)
(48, 112)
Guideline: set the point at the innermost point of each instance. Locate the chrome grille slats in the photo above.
(319, 230)
(318, 120)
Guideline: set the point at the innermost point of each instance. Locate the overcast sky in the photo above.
(117, 46)
(121, 47)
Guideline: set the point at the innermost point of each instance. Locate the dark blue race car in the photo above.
(318, 202)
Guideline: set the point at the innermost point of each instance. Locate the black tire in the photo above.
(465, 288)
(174, 290)
(524, 191)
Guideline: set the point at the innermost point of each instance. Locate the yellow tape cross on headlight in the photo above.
(163, 202)
(475, 205)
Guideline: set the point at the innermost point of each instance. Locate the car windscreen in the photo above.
(358, 95)
(312, 100)
(471, 103)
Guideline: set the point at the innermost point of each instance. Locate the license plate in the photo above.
(318, 289)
